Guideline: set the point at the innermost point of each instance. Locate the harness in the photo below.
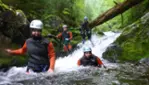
(66, 36)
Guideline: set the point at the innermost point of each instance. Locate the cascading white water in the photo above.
(98, 45)
(67, 63)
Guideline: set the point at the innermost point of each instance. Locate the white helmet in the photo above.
(64, 26)
(87, 49)
(36, 24)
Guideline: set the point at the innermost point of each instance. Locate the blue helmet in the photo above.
(87, 49)
(85, 18)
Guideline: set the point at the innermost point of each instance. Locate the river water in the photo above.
(68, 73)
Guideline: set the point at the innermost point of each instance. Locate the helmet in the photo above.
(36, 24)
(64, 26)
(87, 49)
(85, 18)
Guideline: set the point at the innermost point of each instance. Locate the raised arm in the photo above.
(59, 35)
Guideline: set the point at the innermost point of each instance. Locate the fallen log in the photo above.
(116, 10)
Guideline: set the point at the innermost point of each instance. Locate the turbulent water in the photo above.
(68, 73)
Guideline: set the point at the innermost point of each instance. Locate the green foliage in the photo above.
(13, 60)
(94, 8)
(128, 17)
(4, 7)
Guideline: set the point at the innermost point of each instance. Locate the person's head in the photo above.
(85, 18)
(64, 27)
(36, 28)
(87, 51)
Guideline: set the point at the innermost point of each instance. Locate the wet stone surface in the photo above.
(124, 74)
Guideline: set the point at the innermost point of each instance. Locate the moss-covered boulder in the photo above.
(13, 29)
(113, 51)
(13, 24)
(134, 42)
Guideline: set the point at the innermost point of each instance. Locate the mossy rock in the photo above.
(7, 62)
(12, 24)
(112, 53)
(134, 41)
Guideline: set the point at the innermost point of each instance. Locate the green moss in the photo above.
(22, 13)
(13, 60)
(131, 51)
(20, 60)
(4, 61)
(134, 41)
(3, 6)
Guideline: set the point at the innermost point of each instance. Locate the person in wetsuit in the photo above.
(39, 49)
(89, 59)
(66, 37)
(85, 30)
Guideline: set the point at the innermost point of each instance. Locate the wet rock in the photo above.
(112, 53)
(13, 29)
(13, 24)
(132, 43)
(145, 18)
(116, 82)
(21, 17)
(100, 33)
(144, 61)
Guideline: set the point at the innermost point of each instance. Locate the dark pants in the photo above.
(39, 68)
(85, 33)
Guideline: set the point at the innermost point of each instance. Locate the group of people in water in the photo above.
(41, 51)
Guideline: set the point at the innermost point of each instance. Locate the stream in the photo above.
(68, 73)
